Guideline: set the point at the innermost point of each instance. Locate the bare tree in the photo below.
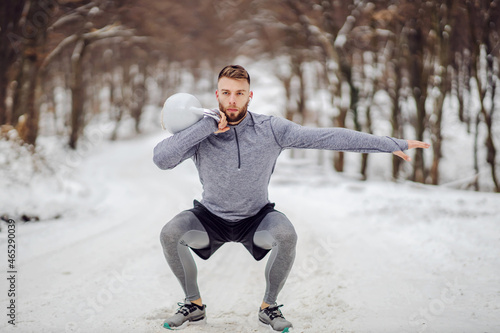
(482, 16)
(34, 27)
(388, 25)
(443, 22)
(421, 53)
(10, 47)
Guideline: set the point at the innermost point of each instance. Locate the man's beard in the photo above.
(232, 117)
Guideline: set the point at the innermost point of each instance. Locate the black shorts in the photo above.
(221, 231)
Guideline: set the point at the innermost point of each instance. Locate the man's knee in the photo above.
(168, 235)
(184, 228)
(281, 229)
(288, 236)
(174, 229)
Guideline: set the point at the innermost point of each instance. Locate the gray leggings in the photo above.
(275, 232)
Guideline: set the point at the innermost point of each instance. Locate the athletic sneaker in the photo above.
(187, 313)
(272, 317)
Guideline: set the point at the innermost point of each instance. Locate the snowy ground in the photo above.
(372, 256)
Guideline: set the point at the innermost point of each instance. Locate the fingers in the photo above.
(405, 157)
(223, 120)
(222, 124)
(417, 144)
(225, 129)
(411, 144)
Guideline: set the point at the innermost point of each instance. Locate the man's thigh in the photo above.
(274, 228)
(187, 229)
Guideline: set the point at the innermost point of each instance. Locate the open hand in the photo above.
(411, 144)
(222, 124)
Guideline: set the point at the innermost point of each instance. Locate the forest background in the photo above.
(426, 70)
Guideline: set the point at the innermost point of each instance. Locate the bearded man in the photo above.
(235, 157)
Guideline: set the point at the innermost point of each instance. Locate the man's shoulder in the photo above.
(264, 119)
(259, 118)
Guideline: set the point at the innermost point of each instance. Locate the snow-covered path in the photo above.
(372, 257)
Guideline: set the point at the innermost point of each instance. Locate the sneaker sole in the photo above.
(287, 329)
(185, 324)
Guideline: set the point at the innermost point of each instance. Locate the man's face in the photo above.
(233, 97)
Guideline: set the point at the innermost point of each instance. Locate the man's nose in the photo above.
(232, 99)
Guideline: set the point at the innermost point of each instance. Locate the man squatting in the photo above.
(235, 156)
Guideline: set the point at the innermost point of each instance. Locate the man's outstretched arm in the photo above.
(292, 135)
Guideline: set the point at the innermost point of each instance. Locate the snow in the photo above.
(372, 256)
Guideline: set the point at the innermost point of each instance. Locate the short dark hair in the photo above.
(234, 72)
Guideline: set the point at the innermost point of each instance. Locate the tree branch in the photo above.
(107, 32)
(58, 49)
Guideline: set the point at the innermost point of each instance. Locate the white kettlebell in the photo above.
(183, 110)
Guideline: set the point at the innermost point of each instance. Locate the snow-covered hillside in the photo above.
(372, 256)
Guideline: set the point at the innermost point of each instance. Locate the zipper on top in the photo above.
(238, 147)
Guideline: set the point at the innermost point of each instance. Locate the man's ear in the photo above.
(217, 94)
(251, 95)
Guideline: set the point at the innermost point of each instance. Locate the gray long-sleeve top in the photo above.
(235, 166)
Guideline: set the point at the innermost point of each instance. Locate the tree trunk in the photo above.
(340, 121)
(34, 39)
(490, 143)
(396, 118)
(480, 38)
(32, 110)
(418, 81)
(77, 93)
(437, 141)
(138, 95)
(441, 21)
(369, 87)
(301, 96)
(476, 150)
(395, 61)
(10, 16)
(3, 92)
(492, 152)
(338, 157)
(24, 96)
